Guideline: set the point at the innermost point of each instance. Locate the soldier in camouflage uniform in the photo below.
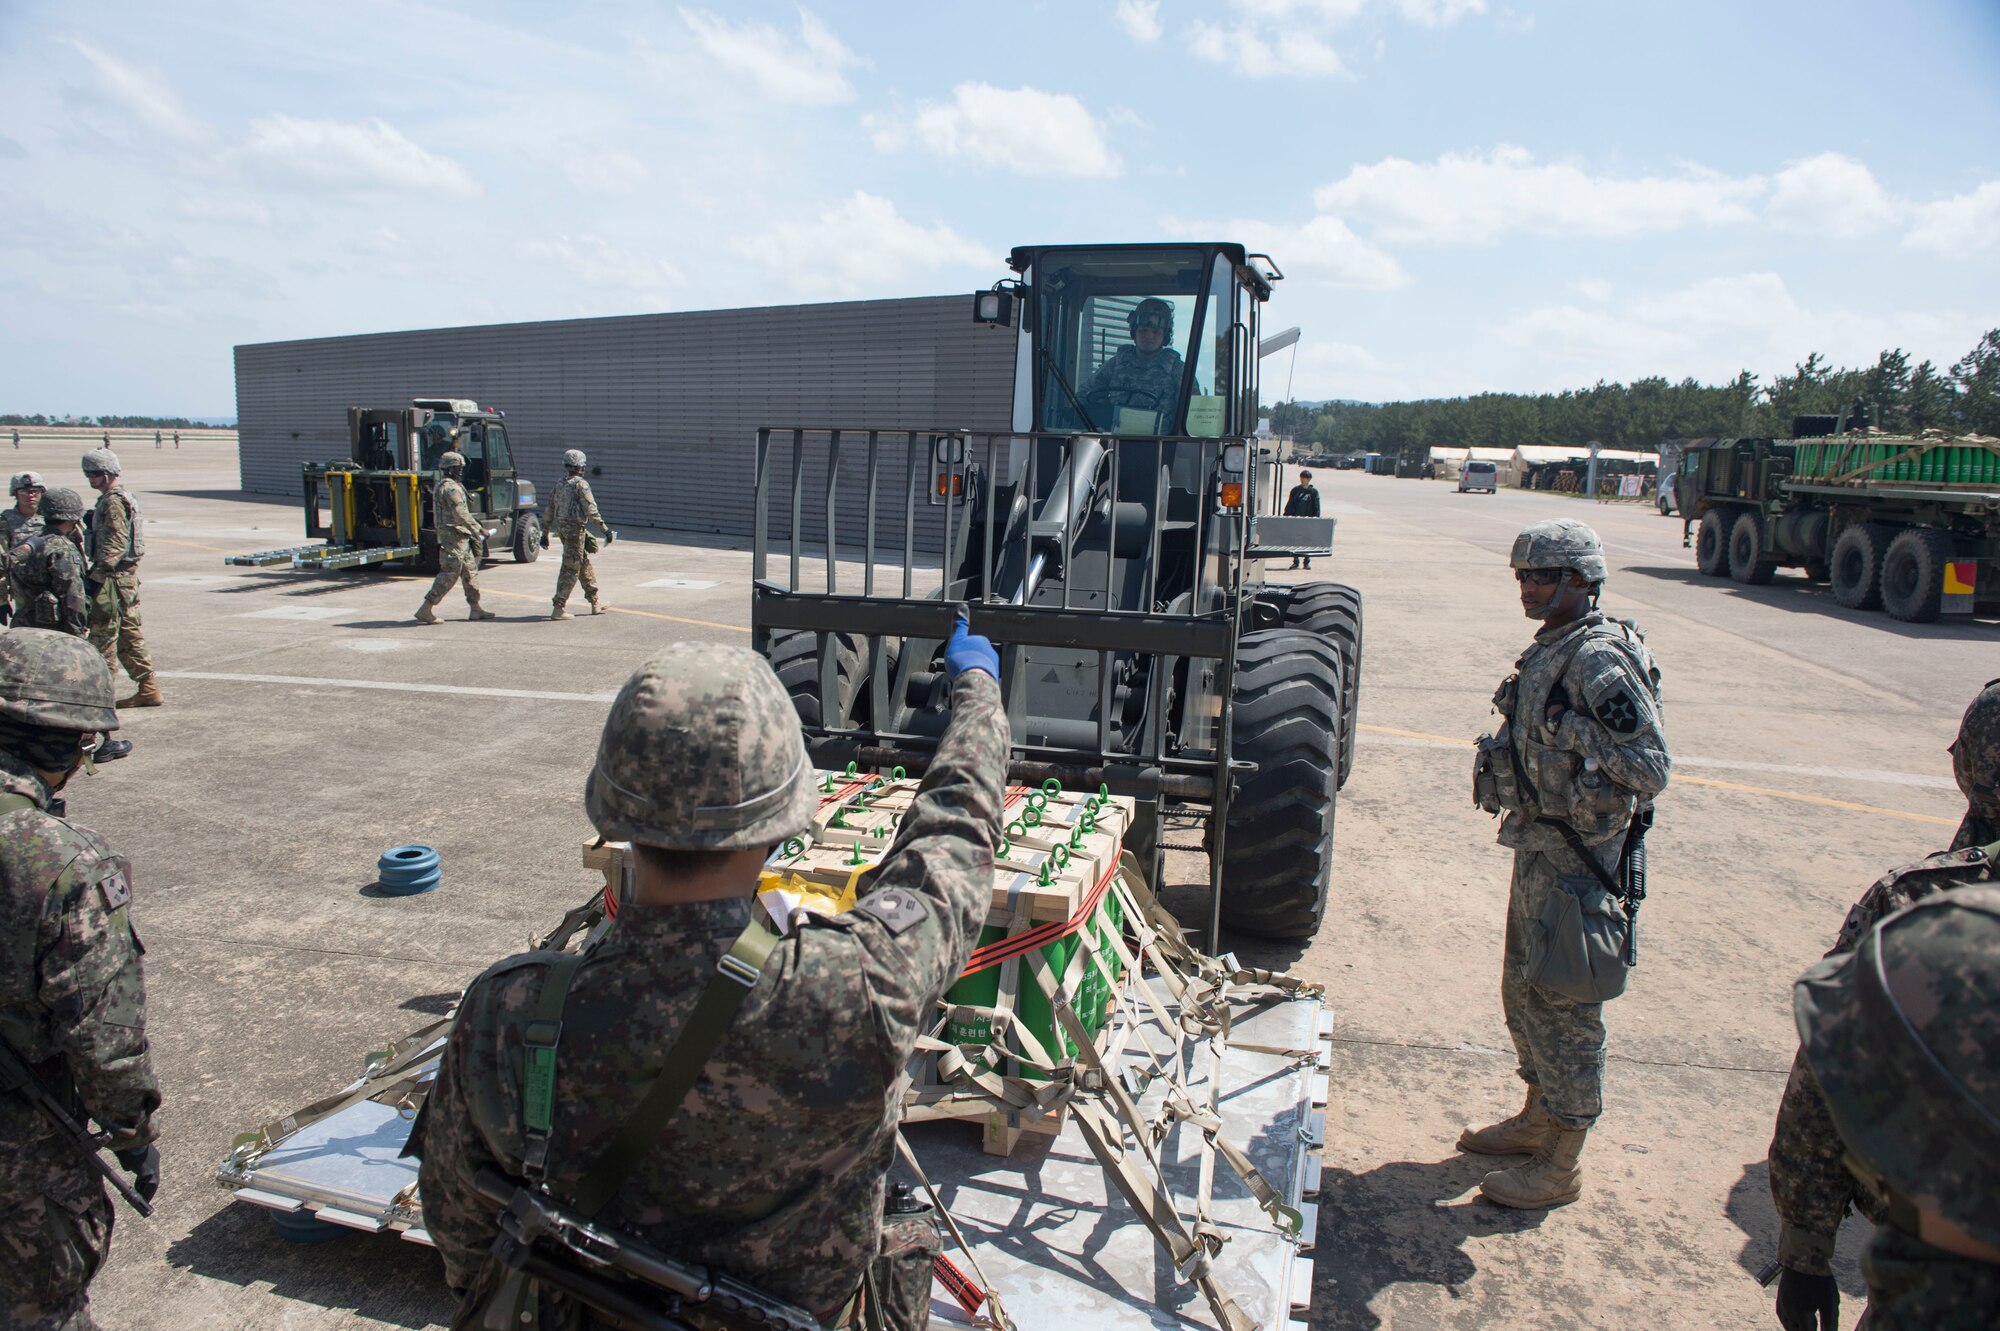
(117, 544)
(72, 996)
(1145, 374)
(48, 576)
(1809, 1184)
(772, 1168)
(572, 510)
(1588, 749)
(459, 538)
(20, 522)
(1902, 1036)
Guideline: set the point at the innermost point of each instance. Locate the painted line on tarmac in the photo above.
(193, 545)
(621, 610)
(387, 686)
(1453, 741)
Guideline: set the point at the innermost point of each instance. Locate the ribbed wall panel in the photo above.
(666, 405)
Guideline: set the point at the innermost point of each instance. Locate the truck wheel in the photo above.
(1333, 610)
(1913, 574)
(527, 539)
(1277, 860)
(1746, 551)
(1856, 566)
(795, 658)
(1711, 544)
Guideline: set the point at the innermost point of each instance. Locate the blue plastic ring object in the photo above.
(405, 871)
(302, 1226)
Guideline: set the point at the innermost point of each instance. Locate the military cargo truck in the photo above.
(1906, 524)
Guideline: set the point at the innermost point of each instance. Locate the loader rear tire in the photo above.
(1333, 610)
(1277, 861)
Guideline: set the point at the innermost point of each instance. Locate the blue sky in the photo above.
(1465, 195)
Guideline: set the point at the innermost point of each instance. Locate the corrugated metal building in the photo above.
(666, 405)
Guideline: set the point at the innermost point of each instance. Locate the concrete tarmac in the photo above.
(310, 724)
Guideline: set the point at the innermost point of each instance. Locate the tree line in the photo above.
(1964, 399)
(109, 422)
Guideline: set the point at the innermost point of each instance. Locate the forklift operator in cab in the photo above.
(1145, 374)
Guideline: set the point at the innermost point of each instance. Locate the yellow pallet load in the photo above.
(1112, 1061)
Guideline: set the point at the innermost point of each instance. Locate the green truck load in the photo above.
(1907, 524)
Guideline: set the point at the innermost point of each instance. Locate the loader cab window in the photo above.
(497, 456)
(1113, 331)
(472, 443)
(1208, 411)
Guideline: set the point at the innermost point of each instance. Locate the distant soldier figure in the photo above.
(1902, 1036)
(1585, 753)
(1145, 374)
(1810, 1185)
(48, 583)
(117, 544)
(72, 994)
(572, 509)
(459, 538)
(1303, 502)
(769, 1163)
(18, 523)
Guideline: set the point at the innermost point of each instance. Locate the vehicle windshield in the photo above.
(1113, 338)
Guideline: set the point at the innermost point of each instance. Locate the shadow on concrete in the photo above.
(374, 1276)
(431, 1005)
(241, 496)
(1402, 1223)
(1189, 903)
(1801, 597)
(1749, 1208)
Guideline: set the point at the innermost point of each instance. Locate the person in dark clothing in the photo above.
(1303, 502)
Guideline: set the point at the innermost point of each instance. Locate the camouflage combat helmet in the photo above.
(27, 480)
(1152, 310)
(62, 504)
(573, 457)
(451, 461)
(1560, 543)
(1903, 1035)
(1975, 754)
(101, 461)
(54, 680)
(701, 751)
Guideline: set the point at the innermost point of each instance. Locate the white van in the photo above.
(1479, 476)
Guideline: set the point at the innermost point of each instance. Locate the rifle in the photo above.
(529, 1218)
(1630, 884)
(20, 1079)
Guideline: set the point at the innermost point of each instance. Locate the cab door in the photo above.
(502, 484)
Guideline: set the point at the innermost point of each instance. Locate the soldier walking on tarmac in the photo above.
(117, 544)
(1902, 1038)
(1810, 1184)
(72, 994)
(693, 1081)
(48, 576)
(459, 538)
(1581, 753)
(572, 510)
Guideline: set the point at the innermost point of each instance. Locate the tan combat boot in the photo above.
(477, 613)
(427, 613)
(599, 607)
(1511, 1136)
(147, 695)
(1552, 1178)
(560, 612)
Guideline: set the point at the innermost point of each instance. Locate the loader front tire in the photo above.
(1277, 861)
(795, 658)
(1332, 610)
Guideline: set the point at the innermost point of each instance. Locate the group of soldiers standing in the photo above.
(461, 539)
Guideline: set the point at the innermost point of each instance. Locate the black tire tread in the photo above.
(1867, 594)
(795, 658)
(1713, 562)
(1923, 606)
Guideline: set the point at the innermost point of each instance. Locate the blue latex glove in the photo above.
(969, 651)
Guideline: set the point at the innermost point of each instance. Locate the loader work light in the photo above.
(1232, 495)
(993, 307)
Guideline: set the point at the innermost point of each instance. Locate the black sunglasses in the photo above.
(1541, 577)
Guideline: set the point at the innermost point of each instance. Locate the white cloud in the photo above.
(1324, 251)
(1830, 194)
(1140, 19)
(1438, 13)
(1023, 130)
(1473, 198)
(595, 262)
(348, 156)
(803, 71)
(1964, 226)
(143, 94)
(1592, 288)
(1259, 53)
(859, 245)
(1268, 38)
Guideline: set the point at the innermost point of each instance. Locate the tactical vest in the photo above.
(137, 528)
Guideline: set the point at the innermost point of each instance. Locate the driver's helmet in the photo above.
(1152, 311)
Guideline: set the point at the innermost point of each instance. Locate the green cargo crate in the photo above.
(1032, 1008)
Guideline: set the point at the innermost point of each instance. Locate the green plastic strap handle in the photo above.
(897, 773)
(1006, 849)
(854, 769)
(1052, 787)
(1017, 828)
(1061, 856)
(1033, 817)
(793, 848)
(1037, 801)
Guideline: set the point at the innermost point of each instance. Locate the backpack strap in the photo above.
(12, 802)
(538, 1076)
(736, 975)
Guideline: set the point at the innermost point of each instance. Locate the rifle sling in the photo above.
(1582, 852)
